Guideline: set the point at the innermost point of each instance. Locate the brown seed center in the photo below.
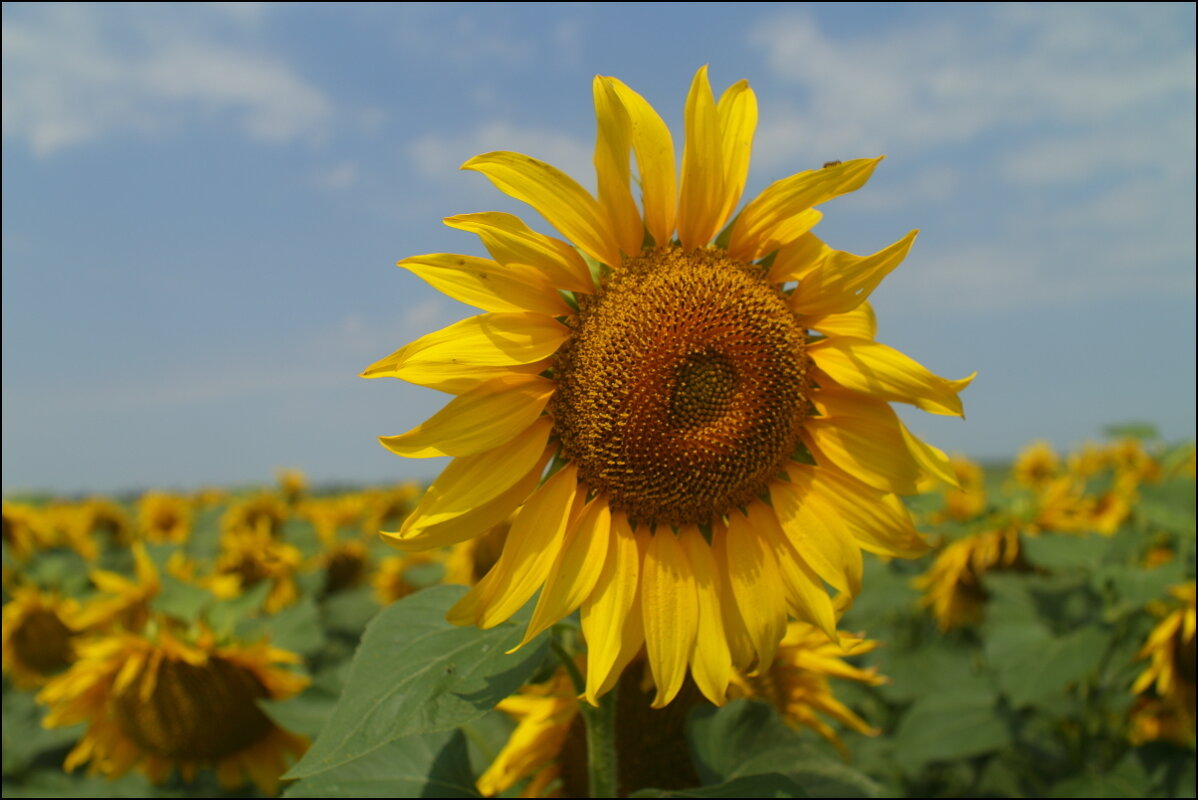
(684, 386)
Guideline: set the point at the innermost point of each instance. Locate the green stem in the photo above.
(601, 729)
(601, 745)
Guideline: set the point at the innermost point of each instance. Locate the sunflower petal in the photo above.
(488, 284)
(864, 438)
(610, 623)
(484, 417)
(842, 280)
(775, 217)
(860, 323)
(753, 575)
(798, 258)
(470, 481)
(822, 541)
(613, 147)
(806, 597)
(510, 241)
(574, 574)
(738, 121)
(455, 357)
(711, 661)
(532, 545)
(880, 371)
(556, 196)
(655, 163)
(668, 608)
(703, 194)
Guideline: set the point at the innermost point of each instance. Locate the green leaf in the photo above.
(416, 674)
(747, 739)
(1032, 664)
(433, 765)
(56, 783)
(951, 724)
(348, 612)
(1127, 779)
(307, 712)
(1055, 551)
(24, 737)
(772, 784)
(927, 669)
(184, 601)
(295, 628)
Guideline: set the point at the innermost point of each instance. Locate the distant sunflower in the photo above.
(38, 638)
(161, 701)
(701, 387)
(1169, 681)
(952, 586)
(164, 517)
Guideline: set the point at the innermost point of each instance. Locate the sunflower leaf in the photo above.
(434, 765)
(746, 745)
(416, 674)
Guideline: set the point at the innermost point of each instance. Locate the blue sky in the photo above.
(203, 206)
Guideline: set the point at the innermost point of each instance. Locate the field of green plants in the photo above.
(231, 643)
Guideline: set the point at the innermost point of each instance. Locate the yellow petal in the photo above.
(489, 285)
(798, 258)
(864, 438)
(556, 196)
(487, 416)
(711, 661)
(510, 241)
(806, 597)
(936, 464)
(773, 218)
(453, 358)
(532, 545)
(470, 481)
(860, 323)
(753, 575)
(738, 121)
(610, 623)
(842, 280)
(740, 646)
(574, 574)
(669, 613)
(823, 542)
(613, 150)
(703, 194)
(878, 521)
(654, 150)
(880, 371)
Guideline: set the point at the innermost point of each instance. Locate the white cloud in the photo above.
(73, 74)
(997, 68)
(437, 157)
(338, 177)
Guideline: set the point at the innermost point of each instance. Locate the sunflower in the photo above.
(952, 586)
(797, 684)
(701, 392)
(164, 517)
(38, 635)
(162, 700)
(1167, 709)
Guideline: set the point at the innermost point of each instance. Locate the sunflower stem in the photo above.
(601, 745)
(600, 724)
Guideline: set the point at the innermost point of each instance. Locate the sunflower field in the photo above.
(231, 643)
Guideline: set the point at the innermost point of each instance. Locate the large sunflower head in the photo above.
(683, 405)
(162, 700)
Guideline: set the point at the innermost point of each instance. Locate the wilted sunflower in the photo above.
(162, 701)
(703, 386)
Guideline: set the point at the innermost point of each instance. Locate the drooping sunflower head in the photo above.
(1168, 683)
(163, 701)
(682, 410)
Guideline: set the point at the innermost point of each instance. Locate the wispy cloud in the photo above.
(73, 74)
(947, 80)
